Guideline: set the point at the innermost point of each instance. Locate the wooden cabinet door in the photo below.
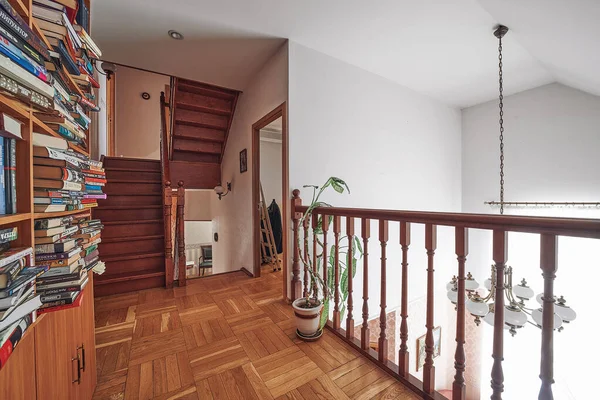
(73, 333)
(17, 377)
(54, 368)
(88, 339)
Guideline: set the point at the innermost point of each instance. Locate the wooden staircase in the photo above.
(202, 115)
(133, 238)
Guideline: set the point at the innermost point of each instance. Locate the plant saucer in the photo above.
(312, 338)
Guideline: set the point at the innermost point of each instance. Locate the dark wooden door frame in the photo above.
(280, 111)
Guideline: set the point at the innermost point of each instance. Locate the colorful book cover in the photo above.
(17, 56)
(14, 21)
(2, 180)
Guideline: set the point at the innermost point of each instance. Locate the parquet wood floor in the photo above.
(224, 337)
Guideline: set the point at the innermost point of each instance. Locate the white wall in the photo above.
(138, 120)
(395, 148)
(552, 140)
(271, 171)
(233, 214)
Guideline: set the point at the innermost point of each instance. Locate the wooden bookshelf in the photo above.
(60, 214)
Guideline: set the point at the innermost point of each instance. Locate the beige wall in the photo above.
(271, 171)
(138, 120)
(198, 205)
(233, 214)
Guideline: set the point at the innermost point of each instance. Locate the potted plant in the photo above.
(312, 311)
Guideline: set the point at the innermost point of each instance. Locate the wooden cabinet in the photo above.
(56, 360)
(17, 378)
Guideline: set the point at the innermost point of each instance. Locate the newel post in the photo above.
(461, 235)
(500, 253)
(181, 233)
(296, 216)
(548, 263)
(167, 201)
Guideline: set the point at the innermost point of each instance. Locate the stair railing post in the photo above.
(167, 202)
(181, 260)
(296, 216)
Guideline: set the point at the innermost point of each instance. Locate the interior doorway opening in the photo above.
(200, 229)
(270, 176)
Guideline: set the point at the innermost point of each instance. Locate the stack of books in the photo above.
(68, 248)
(18, 300)
(23, 61)
(10, 132)
(73, 53)
(64, 180)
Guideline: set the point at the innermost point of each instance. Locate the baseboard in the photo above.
(244, 270)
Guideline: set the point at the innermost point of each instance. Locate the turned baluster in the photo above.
(428, 368)
(167, 215)
(548, 263)
(462, 249)
(306, 277)
(296, 216)
(350, 269)
(383, 342)
(336, 271)
(315, 228)
(181, 233)
(500, 255)
(325, 228)
(403, 355)
(365, 332)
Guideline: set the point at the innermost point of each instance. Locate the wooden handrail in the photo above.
(164, 141)
(500, 225)
(575, 227)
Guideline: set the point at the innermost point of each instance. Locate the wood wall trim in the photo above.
(279, 111)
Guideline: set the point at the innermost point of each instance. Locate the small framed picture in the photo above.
(243, 161)
(437, 347)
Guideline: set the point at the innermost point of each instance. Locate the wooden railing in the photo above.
(180, 233)
(548, 228)
(167, 194)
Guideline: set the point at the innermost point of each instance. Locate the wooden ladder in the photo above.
(268, 247)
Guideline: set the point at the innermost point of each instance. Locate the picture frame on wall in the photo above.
(243, 161)
(437, 347)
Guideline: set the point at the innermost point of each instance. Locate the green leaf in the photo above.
(344, 282)
(324, 313)
(337, 187)
(339, 182)
(358, 245)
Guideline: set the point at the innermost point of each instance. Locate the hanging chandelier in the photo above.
(481, 305)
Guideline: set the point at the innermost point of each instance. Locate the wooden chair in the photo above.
(205, 261)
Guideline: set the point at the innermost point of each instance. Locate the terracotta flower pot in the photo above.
(307, 318)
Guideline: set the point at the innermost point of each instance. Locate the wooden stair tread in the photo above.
(134, 159)
(121, 169)
(110, 194)
(134, 222)
(134, 181)
(203, 139)
(132, 256)
(209, 92)
(195, 107)
(198, 124)
(132, 238)
(127, 276)
(129, 207)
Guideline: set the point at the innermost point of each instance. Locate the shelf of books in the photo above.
(48, 183)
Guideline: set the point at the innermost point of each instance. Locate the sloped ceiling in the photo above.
(444, 49)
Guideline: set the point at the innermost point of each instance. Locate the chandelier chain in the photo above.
(501, 121)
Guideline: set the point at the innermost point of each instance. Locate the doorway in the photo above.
(270, 171)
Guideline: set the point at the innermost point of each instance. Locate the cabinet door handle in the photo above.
(82, 348)
(78, 380)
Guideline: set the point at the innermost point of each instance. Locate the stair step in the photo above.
(134, 222)
(196, 175)
(120, 213)
(190, 87)
(133, 239)
(109, 279)
(145, 181)
(196, 146)
(125, 229)
(118, 200)
(132, 256)
(201, 119)
(181, 105)
(194, 132)
(133, 188)
(147, 207)
(131, 163)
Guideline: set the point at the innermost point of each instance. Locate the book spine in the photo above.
(12, 341)
(48, 292)
(13, 175)
(51, 257)
(49, 248)
(49, 298)
(52, 280)
(4, 30)
(20, 58)
(15, 256)
(5, 157)
(2, 180)
(14, 21)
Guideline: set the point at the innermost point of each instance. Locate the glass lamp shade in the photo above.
(219, 189)
(514, 317)
(488, 284)
(536, 315)
(453, 296)
(566, 313)
(471, 284)
(523, 292)
(490, 318)
(450, 286)
(477, 308)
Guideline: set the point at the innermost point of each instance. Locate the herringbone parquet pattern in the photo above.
(224, 337)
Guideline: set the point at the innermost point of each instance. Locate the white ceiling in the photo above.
(444, 49)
